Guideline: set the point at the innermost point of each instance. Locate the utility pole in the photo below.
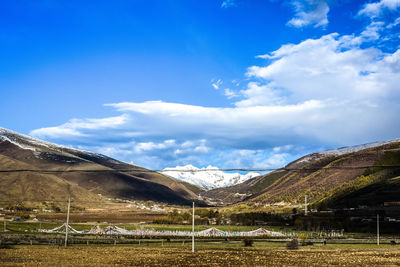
(305, 205)
(377, 229)
(193, 229)
(66, 225)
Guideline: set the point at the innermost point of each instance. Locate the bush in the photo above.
(307, 243)
(293, 244)
(23, 215)
(5, 246)
(248, 242)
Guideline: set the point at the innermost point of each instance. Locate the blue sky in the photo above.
(233, 84)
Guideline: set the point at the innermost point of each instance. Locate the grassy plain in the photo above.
(182, 256)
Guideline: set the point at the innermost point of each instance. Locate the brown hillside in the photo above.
(317, 175)
(56, 171)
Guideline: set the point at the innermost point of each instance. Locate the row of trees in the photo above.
(202, 216)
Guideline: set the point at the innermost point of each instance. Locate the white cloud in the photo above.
(326, 68)
(309, 12)
(371, 33)
(255, 159)
(56, 132)
(258, 95)
(282, 148)
(75, 127)
(376, 9)
(230, 94)
(148, 146)
(228, 3)
(216, 84)
(394, 23)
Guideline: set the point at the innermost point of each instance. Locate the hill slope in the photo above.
(53, 172)
(330, 178)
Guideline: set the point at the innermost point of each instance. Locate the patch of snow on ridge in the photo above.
(5, 138)
(207, 178)
(341, 151)
(27, 142)
(350, 149)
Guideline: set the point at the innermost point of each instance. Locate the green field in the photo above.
(33, 227)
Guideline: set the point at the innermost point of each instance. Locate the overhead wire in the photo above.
(201, 170)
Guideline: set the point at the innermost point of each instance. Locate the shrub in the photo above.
(293, 244)
(5, 246)
(248, 242)
(307, 243)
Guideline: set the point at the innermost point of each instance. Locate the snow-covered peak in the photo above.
(207, 178)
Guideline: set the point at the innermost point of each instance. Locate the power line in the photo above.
(201, 170)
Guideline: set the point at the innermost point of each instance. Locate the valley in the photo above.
(345, 189)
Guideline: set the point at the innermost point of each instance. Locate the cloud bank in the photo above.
(327, 92)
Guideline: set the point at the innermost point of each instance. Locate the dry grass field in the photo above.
(134, 256)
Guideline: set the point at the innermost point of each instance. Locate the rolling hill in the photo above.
(31, 169)
(361, 175)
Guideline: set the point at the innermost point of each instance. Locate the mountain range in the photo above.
(209, 177)
(34, 170)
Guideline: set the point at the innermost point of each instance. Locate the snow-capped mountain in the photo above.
(207, 178)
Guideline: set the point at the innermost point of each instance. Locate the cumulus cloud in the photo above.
(376, 9)
(309, 12)
(153, 154)
(326, 68)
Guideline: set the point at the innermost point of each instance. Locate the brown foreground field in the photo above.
(134, 256)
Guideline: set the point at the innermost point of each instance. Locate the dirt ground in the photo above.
(133, 256)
